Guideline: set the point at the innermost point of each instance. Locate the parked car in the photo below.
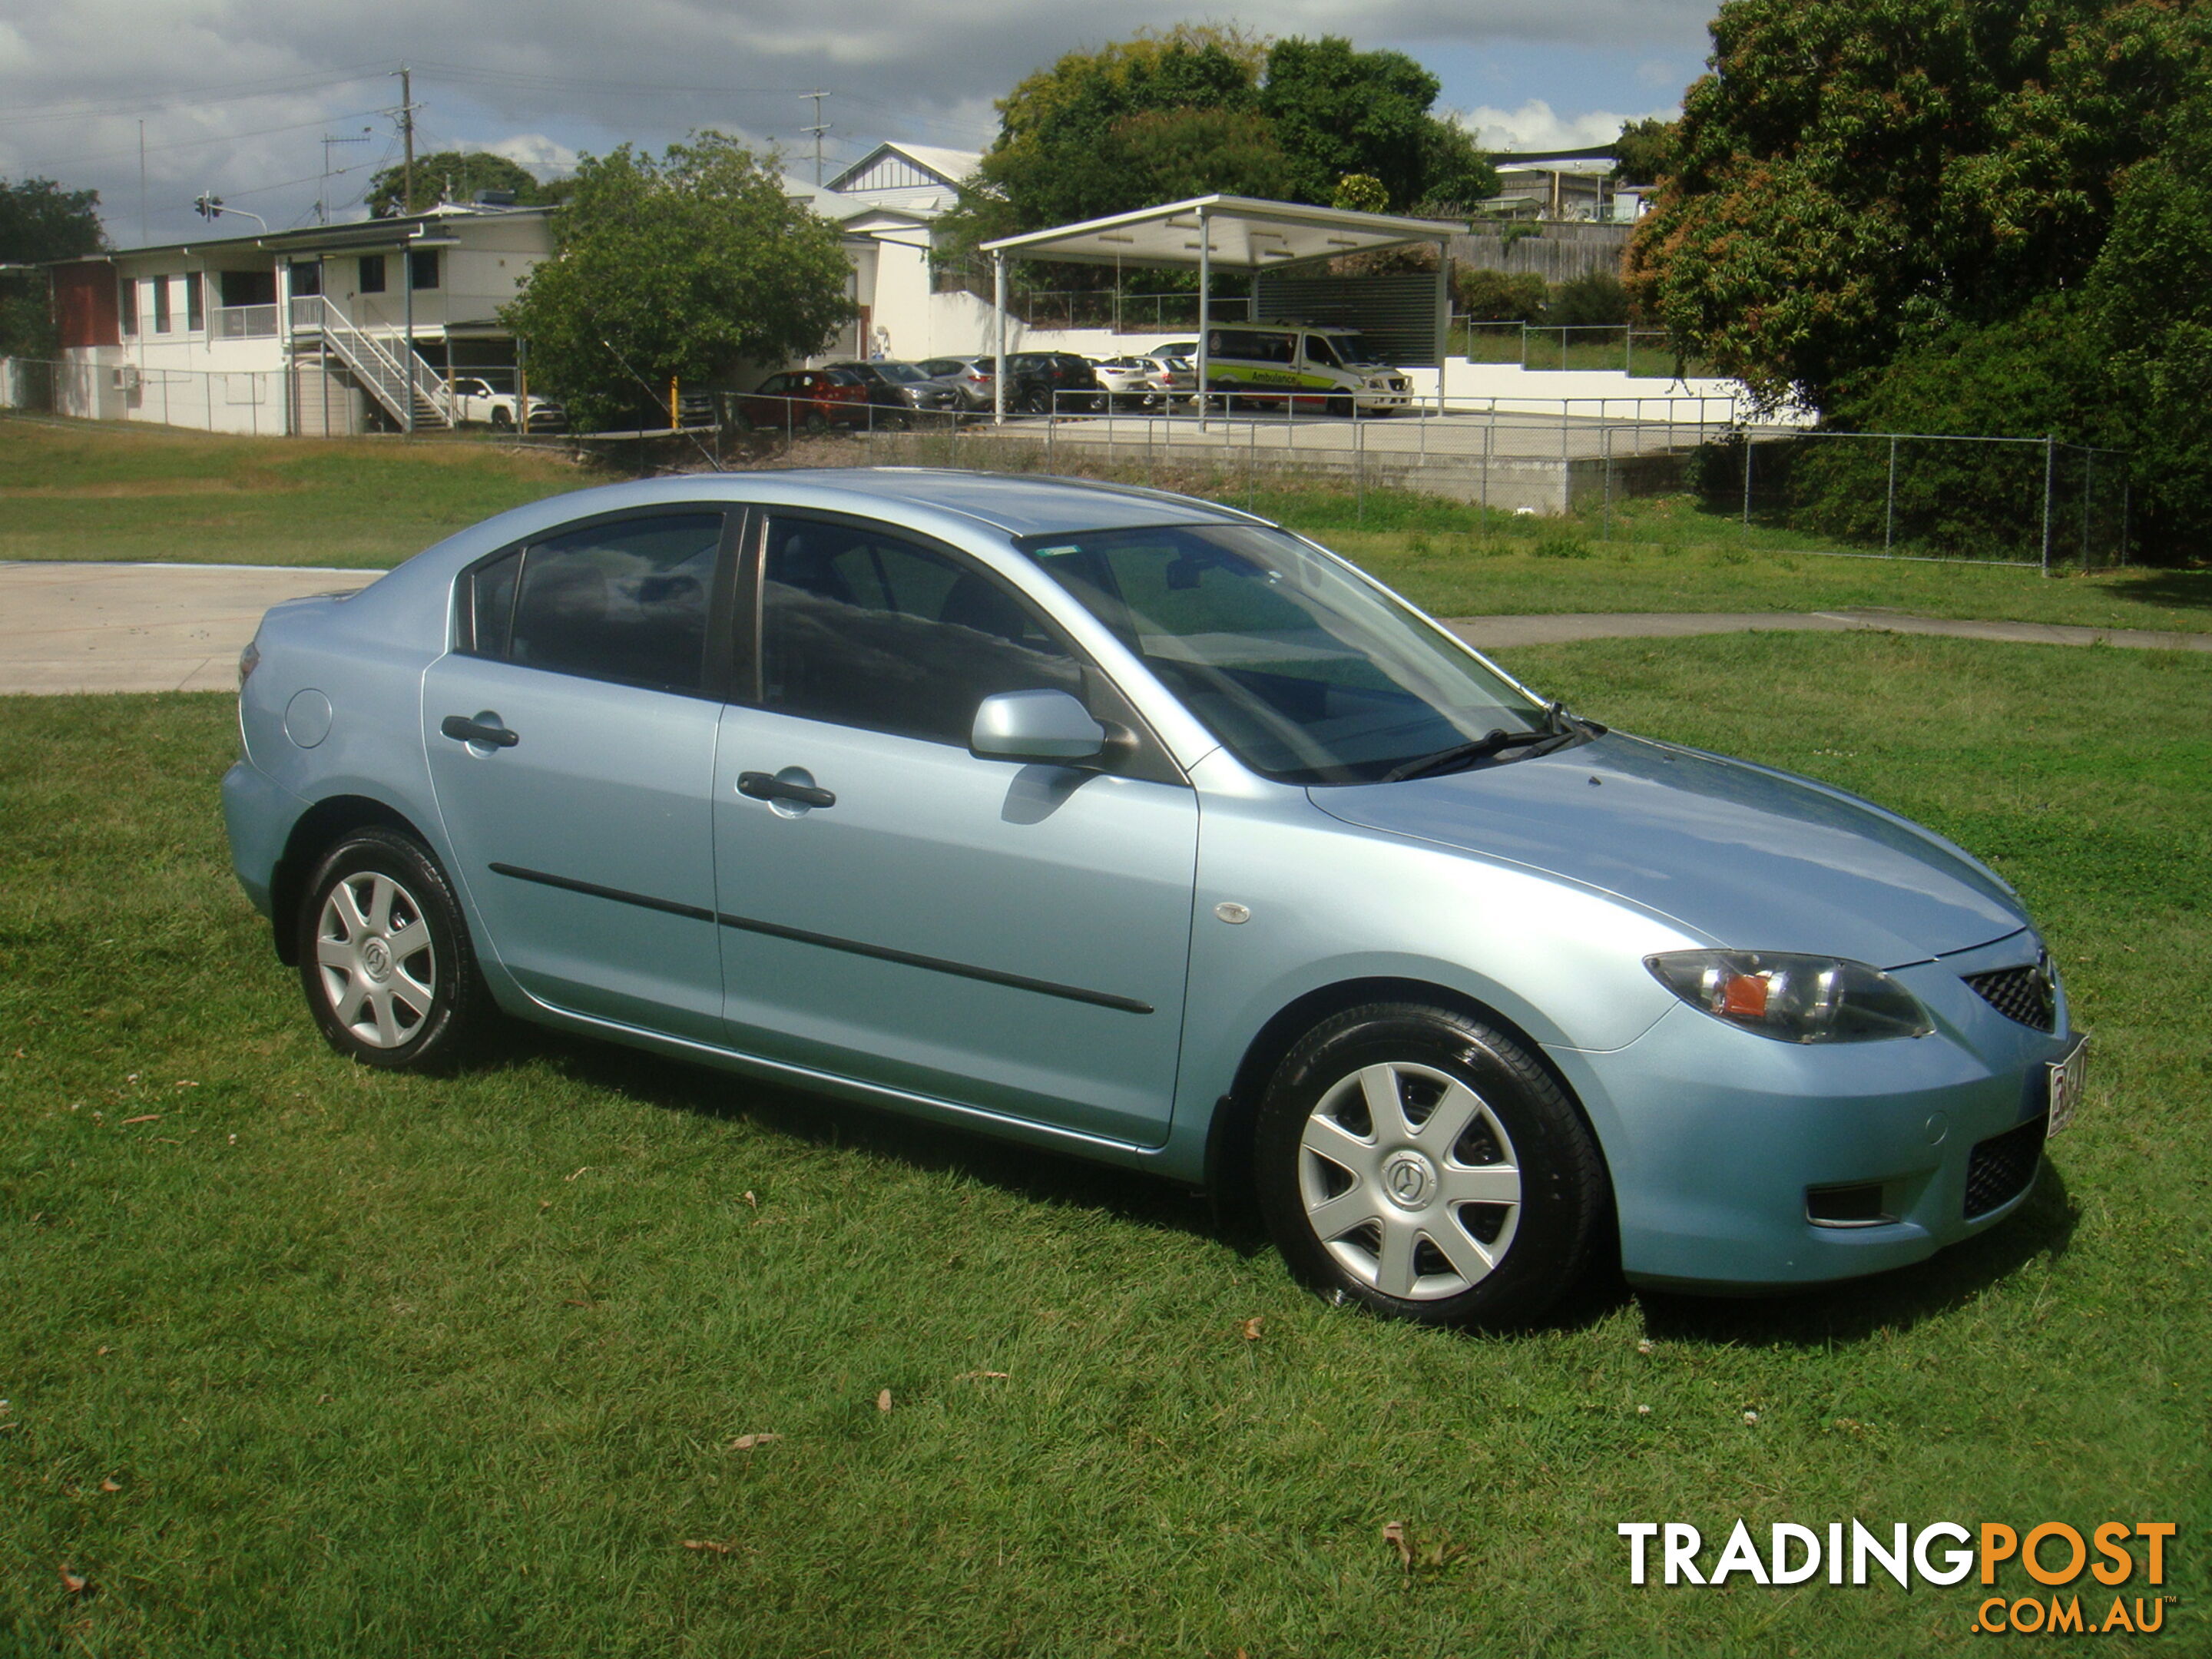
(1052, 382)
(973, 377)
(903, 389)
(1131, 382)
(803, 400)
(476, 403)
(1135, 828)
(1291, 366)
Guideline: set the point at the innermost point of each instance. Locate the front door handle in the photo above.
(766, 786)
(462, 729)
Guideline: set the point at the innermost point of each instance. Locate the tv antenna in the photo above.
(322, 193)
(819, 127)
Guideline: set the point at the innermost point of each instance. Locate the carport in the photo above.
(1233, 232)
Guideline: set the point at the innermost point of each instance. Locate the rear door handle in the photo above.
(766, 786)
(462, 729)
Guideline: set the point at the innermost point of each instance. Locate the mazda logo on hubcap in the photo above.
(376, 959)
(1409, 1179)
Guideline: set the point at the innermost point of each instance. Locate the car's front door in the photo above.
(572, 748)
(895, 910)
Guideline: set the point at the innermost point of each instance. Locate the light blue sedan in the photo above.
(1128, 825)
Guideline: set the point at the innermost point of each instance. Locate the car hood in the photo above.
(1750, 858)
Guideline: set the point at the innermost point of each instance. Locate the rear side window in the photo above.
(861, 628)
(623, 601)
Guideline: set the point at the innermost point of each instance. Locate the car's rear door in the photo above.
(895, 910)
(571, 739)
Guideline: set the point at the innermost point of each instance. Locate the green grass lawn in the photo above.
(79, 490)
(86, 490)
(300, 1359)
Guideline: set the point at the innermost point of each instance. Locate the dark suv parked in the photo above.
(1045, 382)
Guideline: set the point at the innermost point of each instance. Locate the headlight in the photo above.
(1793, 998)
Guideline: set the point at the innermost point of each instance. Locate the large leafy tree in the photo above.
(1856, 177)
(1199, 109)
(38, 221)
(676, 267)
(451, 175)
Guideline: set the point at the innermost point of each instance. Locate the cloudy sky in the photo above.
(240, 96)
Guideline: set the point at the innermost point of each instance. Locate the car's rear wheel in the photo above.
(1417, 1161)
(1341, 408)
(816, 423)
(384, 958)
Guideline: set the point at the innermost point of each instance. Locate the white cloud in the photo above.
(1536, 126)
(544, 156)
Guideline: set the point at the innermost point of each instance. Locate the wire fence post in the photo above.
(1607, 511)
(1746, 479)
(1358, 464)
(1889, 511)
(2089, 463)
(2127, 486)
(2050, 461)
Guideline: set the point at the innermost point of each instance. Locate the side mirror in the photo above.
(1047, 728)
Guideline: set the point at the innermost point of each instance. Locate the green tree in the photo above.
(1645, 151)
(1360, 192)
(451, 175)
(1855, 176)
(1492, 296)
(676, 267)
(40, 221)
(1339, 110)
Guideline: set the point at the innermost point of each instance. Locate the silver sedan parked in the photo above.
(1127, 825)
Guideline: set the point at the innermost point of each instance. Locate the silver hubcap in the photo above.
(373, 952)
(1409, 1182)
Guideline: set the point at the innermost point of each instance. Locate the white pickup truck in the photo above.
(476, 404)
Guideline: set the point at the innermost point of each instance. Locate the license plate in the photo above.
(2067, 1077)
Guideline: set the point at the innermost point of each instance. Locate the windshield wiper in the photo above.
(1466, 754)
(1560, 729)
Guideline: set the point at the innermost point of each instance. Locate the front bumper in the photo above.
(1716, 1136)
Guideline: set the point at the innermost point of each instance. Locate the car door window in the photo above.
(862, 628)
(624, 600)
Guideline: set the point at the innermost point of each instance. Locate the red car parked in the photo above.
(804, 399)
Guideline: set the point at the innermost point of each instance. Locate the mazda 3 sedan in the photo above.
(1127, 825)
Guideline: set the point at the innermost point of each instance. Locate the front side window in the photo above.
(625, 600)
(861, 628)
(1318, 350)
(1309, 674)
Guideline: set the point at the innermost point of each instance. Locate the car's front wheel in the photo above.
(384, 957)
(1418, 1161)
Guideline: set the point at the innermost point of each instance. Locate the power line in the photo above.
(232, 91)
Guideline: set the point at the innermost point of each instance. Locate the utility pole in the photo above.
(143, 237)
(407, 135)
(819, 127)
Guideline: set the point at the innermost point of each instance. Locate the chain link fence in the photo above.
(1907, 494)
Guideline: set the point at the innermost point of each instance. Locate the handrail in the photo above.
(393, 385)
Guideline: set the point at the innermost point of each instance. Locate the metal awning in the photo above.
(1245, 232)
(1240, 232)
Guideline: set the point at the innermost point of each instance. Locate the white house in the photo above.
(297, 332)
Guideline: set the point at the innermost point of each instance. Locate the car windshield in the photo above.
(1352, 349)
(904, 373)
(1308, 673)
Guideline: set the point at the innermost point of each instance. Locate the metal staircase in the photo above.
(375, 367)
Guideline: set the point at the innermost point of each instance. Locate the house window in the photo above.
(195, 302)
(126, 295)
(160, 305)
(422, 268)
(372, 273)
(307, 278)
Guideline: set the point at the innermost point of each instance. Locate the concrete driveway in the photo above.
(180, 627)
(141, 627)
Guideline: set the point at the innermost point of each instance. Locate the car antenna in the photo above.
(646, 386)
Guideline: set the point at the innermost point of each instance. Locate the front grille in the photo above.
(2022, 995)
(2002, 1167)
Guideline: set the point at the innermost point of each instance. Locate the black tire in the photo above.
(1035, 402)
(1341, 408)
(1408, 1236)
(382, 994)
(817, 424)
(501, 420)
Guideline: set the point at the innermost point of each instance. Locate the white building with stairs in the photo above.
(300, 332)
